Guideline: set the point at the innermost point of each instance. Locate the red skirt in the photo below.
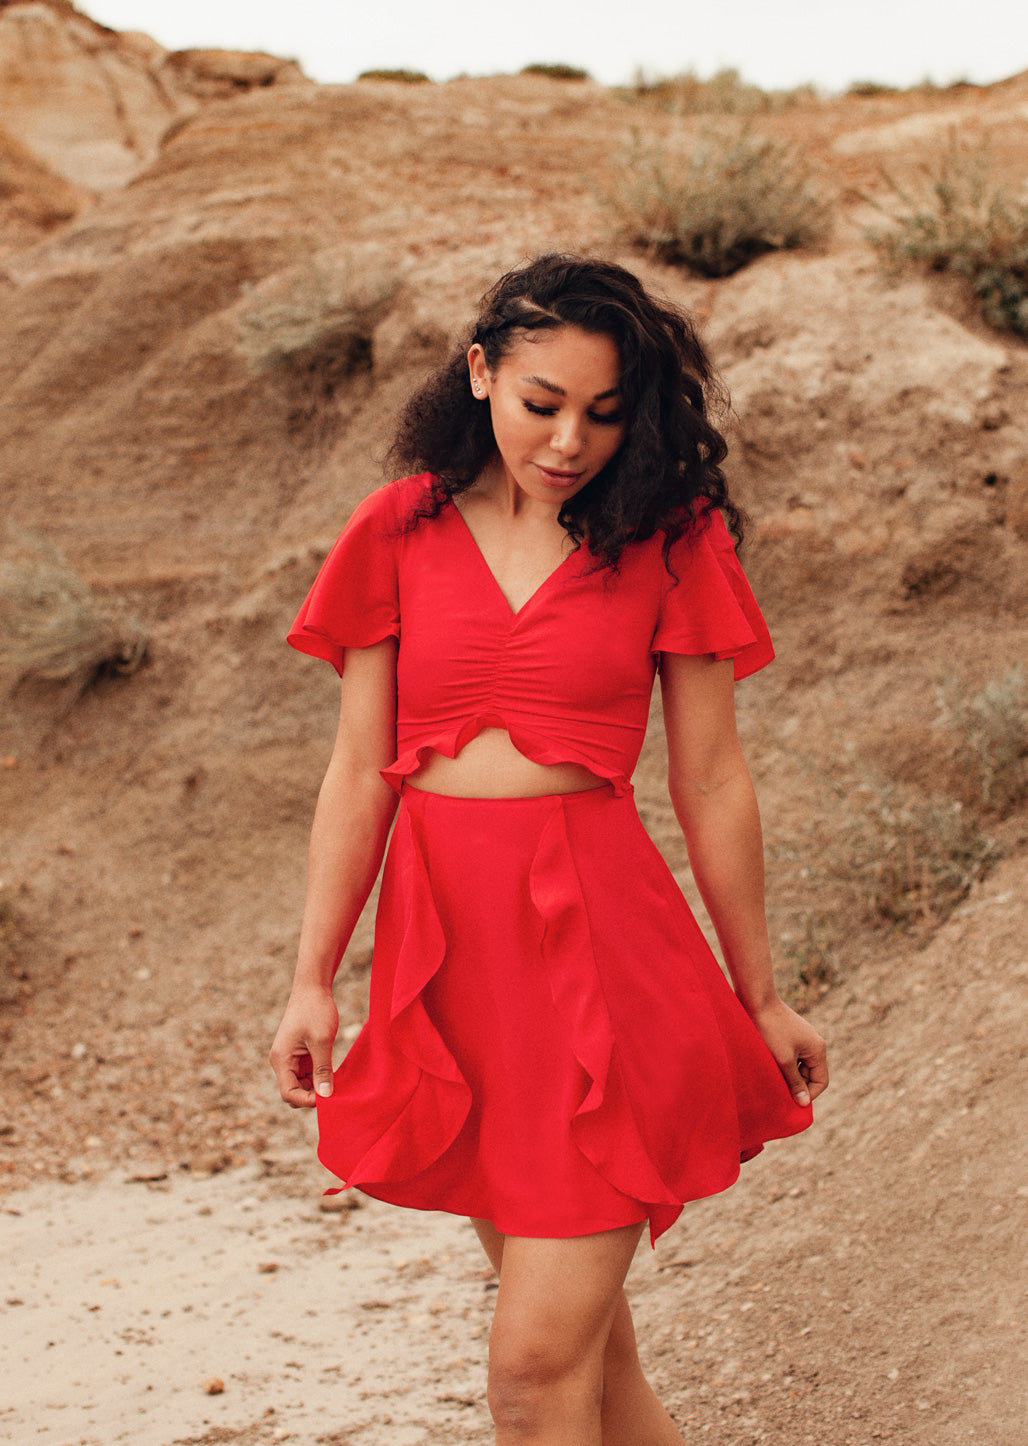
(550, 1042)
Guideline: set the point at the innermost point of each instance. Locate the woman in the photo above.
(551, 1048)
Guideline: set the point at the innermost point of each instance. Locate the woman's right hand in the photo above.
(301, 1055)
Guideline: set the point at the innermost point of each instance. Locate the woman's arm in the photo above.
(351, 824)
(714, 801)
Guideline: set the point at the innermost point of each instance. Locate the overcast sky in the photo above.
(775, 43)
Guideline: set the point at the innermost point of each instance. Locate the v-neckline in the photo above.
(547, 580)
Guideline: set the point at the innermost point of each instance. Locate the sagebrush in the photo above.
(880, 857)
(318, 314)
(309, 328)
(719, 203)
(961, 219)
(916, 857)
(54, 628)
(403, 77)
(991, 727)
(555, 71)
(725, 93)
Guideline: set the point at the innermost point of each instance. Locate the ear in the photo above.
(478, 372)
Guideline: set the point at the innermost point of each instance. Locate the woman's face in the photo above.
(557, 414)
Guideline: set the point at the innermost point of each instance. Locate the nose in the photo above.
(568, 437)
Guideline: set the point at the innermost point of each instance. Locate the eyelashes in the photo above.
(608, 418)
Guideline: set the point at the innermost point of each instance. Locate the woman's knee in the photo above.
(532, 1381)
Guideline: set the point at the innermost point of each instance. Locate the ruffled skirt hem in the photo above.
(550, 1043)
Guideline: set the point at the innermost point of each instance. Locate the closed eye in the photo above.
(601, 417)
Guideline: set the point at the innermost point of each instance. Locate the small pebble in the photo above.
(214, 1385)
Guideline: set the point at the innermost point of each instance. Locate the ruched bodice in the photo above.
(568, 675)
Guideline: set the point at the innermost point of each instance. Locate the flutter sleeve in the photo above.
(711, 607)
(354, 600)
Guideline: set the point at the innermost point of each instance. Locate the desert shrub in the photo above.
(555, 71)
(812, 959)
(53, 628)
(879, 858)
(731, 198)
(405, 77)
(916, 857)
(317, 315)
(310, 329)
(725, 93)
(992, 739)
(869, 89)
(961, 220)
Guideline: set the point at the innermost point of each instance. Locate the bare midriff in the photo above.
(489, 766)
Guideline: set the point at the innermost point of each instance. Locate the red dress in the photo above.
(550, 1043)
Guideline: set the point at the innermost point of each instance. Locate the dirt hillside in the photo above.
(209, 316)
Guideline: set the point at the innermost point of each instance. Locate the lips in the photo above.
(559, 479)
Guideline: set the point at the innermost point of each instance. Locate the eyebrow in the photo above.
(553, 387)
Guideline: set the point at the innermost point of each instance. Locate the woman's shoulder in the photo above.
(700, 549)
(685, 542)
(700, 523)
(392, 503)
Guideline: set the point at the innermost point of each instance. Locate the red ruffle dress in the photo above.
(550, 1043)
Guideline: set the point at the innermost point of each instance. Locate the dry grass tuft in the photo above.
(992, 740)
(555, 71)
(715, 207)
(880, 858)
(310, 329)
(963, 221)
(725, 93)
(914, 858)
(318, 313)
(52, 627)
(871, 89)
(883, 855)
(404, 77)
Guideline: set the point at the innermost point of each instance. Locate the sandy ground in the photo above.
(128, 1302)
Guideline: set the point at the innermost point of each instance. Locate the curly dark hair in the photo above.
(666, 475)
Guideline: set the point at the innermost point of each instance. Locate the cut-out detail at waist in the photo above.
(489, 765)
(416, 747)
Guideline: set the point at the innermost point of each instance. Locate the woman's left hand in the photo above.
(800, 1052)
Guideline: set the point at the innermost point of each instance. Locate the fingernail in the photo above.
(802, 1098)
(324, 1088)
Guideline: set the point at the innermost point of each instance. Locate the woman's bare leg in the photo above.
(632, 1415)
(564, 1370)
